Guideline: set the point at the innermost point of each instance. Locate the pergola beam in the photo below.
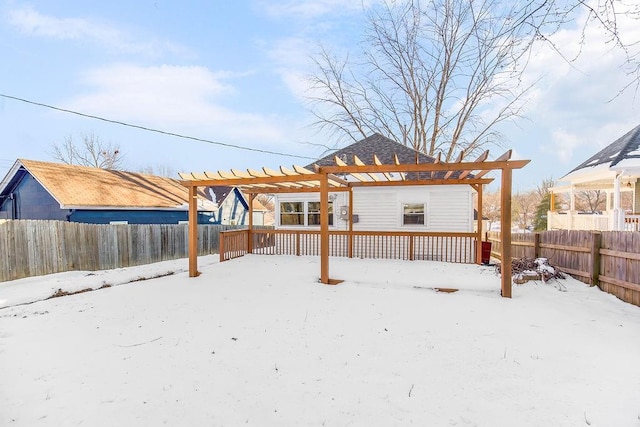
(422, 182)
(327, 179)
(426, 167)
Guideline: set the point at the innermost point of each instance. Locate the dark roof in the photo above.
(385, 149)
(220, 191)
(614, 153)
(379, 145)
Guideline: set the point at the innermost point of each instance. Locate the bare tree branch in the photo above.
(92, 151)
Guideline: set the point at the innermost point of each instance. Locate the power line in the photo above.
(208, 141)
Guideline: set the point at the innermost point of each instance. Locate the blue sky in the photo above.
(234, 72)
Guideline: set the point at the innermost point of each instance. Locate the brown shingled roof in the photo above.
(73, 185)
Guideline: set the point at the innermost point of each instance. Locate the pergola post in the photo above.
(250, 231)
(325, 177)
(505, 231)
(350, 220)
(480, 223)
(324, 229)
(193, 231)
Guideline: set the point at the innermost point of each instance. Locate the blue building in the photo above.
(54, 191)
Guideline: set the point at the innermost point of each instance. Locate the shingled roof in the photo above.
(82, 186)
(385, 149)
(623, 149)
(379, 145)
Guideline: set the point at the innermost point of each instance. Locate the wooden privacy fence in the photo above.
(33, 248)
(607, 259)
(448, 247)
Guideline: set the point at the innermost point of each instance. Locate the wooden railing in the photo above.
(233, 244)
(580, 221)
(435, 246)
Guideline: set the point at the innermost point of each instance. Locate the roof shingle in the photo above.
(73, 185)
(625, 147)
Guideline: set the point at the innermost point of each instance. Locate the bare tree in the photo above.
(591, 201)
(524, 207)
(92, 151)
(437, 76)
(545, 17)
(491, 204)
(440, 75)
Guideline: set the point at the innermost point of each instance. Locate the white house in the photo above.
(424, 208)
(231, 205)
(614, 169)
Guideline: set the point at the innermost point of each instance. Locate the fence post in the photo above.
(221, 246)
(595, 258)
(297, 243)
(536, 245)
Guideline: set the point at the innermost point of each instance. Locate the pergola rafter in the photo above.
(345, 177)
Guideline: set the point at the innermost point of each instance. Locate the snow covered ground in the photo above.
(258, 341)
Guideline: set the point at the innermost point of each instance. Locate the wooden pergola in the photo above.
(343, 177)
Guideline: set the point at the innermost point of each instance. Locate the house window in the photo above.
(303, 213)
(292, 213)
(413, 213)
(313, 213)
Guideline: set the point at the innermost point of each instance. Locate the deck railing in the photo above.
(632, 222)
(233, 244)
(581, 221)
(435, 246)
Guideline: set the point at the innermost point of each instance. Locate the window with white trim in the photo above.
(303, 213)
(414, 213)
(313, 213)
(291, 213)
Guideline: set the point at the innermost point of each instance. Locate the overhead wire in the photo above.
(144, 128)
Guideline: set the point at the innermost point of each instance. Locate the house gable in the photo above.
(43, 190)
(26, 198)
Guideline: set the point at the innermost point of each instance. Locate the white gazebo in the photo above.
(614, 169)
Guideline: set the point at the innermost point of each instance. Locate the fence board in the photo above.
(32, 248)
(571, 251)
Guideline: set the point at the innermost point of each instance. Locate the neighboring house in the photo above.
(261, 215)
(232, 205)
(614, 169)
(42, 190)
(388, 208)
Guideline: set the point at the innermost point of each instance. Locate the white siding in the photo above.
(377, 209)
(449, 208)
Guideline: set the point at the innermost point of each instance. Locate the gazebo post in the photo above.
(505, 231)
(324, 229)
(193, 231)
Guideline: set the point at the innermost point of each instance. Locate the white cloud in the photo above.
(574, 107)
(171, 97)
(30, 21)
